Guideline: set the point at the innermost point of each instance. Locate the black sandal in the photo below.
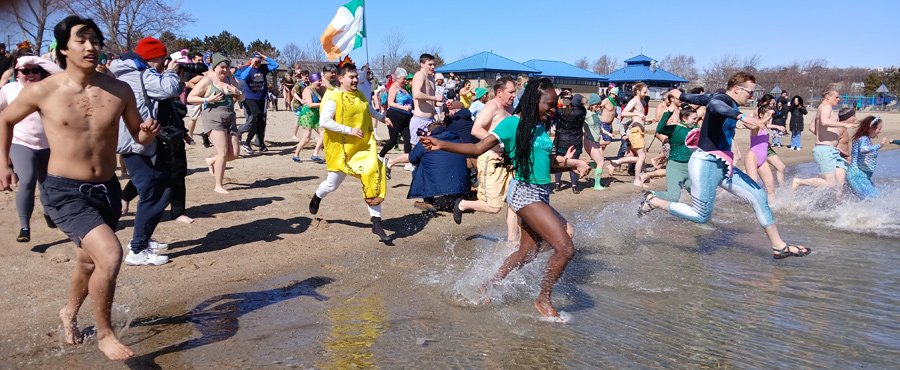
(786, 251)
(645, 203)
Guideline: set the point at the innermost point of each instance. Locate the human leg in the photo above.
(304, 139)
(217, 163)
(550, 227)
(26, 164)
(152, 181)
(331, 183)
(676, 177)
(104, 253)
(705, 172)
(779, 167)
(178, 201)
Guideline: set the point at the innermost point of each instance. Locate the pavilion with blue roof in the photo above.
(642, 68)
(565, 75)
(485, 66)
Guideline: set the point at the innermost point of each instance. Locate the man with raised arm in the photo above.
(81, 109)
(493, 176)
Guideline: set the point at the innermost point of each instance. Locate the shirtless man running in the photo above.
(493, 178)
(828, 128)
(81, 109)
(424, 98)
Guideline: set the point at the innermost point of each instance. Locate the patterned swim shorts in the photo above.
(522, 194)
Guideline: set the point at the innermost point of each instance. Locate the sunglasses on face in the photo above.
(749, 92)
(31, 71)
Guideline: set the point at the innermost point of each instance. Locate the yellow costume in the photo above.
(357, 157)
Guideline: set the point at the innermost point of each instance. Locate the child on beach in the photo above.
(864, 158)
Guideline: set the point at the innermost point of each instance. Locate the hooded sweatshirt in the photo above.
(159, 86)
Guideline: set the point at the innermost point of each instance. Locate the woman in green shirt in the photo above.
(529, 150)
(676, 171)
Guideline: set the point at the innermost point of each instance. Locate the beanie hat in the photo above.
(150, 48)
(846, 113)
(219, 58)
(594, 99)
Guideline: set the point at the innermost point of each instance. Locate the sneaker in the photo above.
(263, 149)
(157, 246)
(206, 142)
(409, 167)
(314, 204)
(378, 230)
(247, 149)
(147, 257)
(317, 159)
(296, 159)
(24, 236)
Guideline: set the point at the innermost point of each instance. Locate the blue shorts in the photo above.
(608, 128)
(828, 158)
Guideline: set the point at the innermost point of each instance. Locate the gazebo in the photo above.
(484, 68)
(882, 90)
(565, 75)
(642, 68)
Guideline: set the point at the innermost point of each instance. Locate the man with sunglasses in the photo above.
(711, 166)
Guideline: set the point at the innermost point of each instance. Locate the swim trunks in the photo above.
(522, 194)
(77, 207)
(828, 158)
(493, 179)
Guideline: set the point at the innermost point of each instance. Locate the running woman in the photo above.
(529, 148)
(864, 157)
(30, 150)
(712, 164)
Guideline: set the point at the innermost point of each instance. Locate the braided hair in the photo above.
(529, 116)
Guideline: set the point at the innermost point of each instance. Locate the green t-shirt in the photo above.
(678, 151)
(540, 152)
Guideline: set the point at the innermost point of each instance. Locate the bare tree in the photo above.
(291, 54)
(680, 65)
(32, 17)
(717, 73)
(124, 22)
(392, 51)
(583, 63)
(313, 52)
(605, 64)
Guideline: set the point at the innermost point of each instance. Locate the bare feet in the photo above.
(485, 294)
(71, 333)
(112, 348)
(795, 184)
(610, 168)
(124, 207)
(545, 308)
(185, 219)
(220, 190)
(639, 183)
(209, 165)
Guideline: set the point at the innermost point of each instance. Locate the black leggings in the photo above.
(400, 126)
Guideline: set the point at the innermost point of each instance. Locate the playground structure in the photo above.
(874, 102)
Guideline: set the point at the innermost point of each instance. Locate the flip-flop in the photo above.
(786, 252)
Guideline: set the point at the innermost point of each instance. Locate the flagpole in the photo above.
(365, 11)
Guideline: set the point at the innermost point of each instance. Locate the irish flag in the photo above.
(346, 31)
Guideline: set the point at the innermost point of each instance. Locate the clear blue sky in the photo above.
(846, 33)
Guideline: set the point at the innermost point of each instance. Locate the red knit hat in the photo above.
(150, 48)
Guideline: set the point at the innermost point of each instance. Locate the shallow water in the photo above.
(649, 293)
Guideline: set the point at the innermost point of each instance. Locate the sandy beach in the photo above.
(259, 232)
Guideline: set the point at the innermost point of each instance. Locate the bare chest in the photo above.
(89, 110)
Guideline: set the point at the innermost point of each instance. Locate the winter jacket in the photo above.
(797, 114)
(159, 86)
(570, 127)
(438, 173)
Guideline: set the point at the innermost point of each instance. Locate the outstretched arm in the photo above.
(472, 150)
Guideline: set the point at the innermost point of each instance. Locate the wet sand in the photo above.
(260, 245)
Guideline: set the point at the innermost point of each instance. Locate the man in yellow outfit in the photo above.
(350, 147)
